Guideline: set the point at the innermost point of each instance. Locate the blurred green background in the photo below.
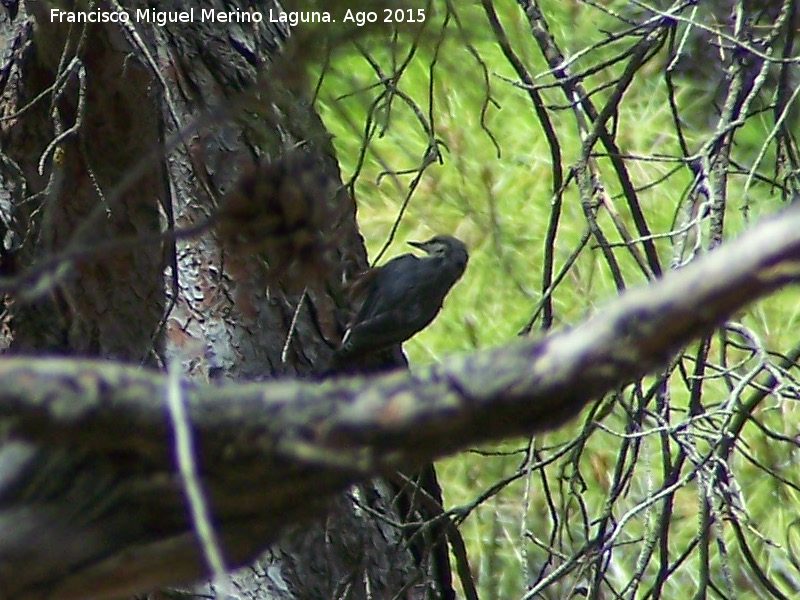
(494, 191)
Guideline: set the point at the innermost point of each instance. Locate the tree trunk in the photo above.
(112, 135)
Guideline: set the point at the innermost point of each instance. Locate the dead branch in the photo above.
(89, 492)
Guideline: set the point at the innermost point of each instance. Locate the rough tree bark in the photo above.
(115, 133)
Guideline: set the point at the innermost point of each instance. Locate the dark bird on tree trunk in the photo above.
(403, 296)
(394, 302)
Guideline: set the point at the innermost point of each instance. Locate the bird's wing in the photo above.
(380, 331)
(404, 296)
(386, 282)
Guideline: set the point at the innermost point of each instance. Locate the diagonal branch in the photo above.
(272, 454)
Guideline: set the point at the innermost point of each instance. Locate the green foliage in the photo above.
(494, 189)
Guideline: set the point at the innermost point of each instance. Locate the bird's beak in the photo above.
(420, 245)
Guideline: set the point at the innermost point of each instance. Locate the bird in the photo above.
(403, 296)
(400, 299)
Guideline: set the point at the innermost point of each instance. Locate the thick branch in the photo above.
(271, 453)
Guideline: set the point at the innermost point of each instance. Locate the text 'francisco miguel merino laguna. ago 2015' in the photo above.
(190, 15)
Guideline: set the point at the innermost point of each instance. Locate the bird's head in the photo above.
(446, 247)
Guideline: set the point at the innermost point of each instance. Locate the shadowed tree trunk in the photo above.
(112, 134)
